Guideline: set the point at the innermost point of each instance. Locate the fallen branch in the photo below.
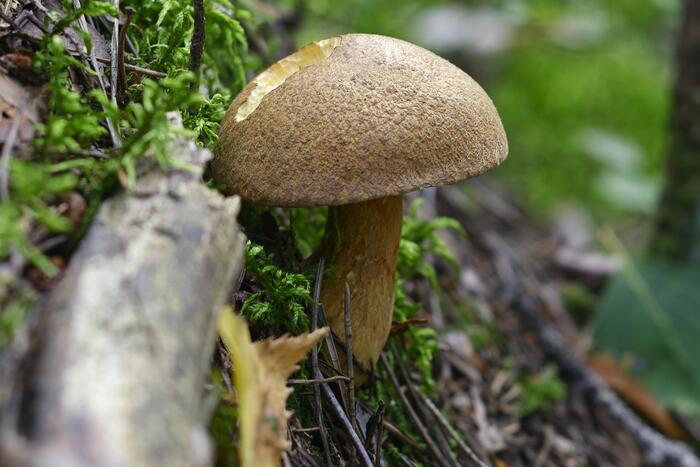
(509, 283)
(116, 376)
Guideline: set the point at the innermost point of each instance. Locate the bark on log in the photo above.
(127, 335)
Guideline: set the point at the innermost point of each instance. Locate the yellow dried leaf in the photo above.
(260, 372)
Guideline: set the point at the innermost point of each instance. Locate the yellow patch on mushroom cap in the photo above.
(273, 77)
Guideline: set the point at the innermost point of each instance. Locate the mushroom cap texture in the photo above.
(378, 117)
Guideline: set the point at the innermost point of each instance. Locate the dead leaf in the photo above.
(16, 99)
(634, 394)
(260, 372)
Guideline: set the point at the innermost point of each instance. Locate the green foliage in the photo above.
(540, 391)
(32, 186)
(205, 120)
(226, 43)
(650, 313)
(71, 124)
(165, 34)
(146, 123)
(421, 345)
(88, 8)
(283, 296)
(418, 239)
(15, 302)
(163, 43)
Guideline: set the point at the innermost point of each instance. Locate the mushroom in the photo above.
(353, 122)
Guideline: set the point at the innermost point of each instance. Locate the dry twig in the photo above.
(345, 422)
(316, 372)
(198, 37)
(349, 355)
(435, 451)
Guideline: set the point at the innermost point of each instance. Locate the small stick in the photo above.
(403, 437)
(314, 362)
(338, 410)
(40, 7)
(121, 69)
(333, 353)
(136, 69)
(380, 435)
(453, 433)
(350, 406)
(329, 379)
(35, 21)
(10, 21)
(372, 424)
(404, 326)
(198, 37)
(308, 458)
(7, 153)
(417, 400)
(114, 68)
(330, 344)
(348, 355)
(375, 429)
(113, 129)
(406, 461)
(435, 451)
(396, 431)
(305, 430)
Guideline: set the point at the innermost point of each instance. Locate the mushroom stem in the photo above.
(364, 237)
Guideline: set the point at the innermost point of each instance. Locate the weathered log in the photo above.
(126, 336)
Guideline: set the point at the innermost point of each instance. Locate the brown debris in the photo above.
(634, 394)
(17, 103)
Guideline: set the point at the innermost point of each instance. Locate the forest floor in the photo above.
(487, 369)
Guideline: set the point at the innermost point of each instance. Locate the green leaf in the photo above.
(650, 313)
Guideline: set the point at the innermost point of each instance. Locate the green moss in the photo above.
(540, 391)
(16, 299)
(283, 297)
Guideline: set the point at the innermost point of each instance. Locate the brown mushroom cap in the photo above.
(356, 118)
